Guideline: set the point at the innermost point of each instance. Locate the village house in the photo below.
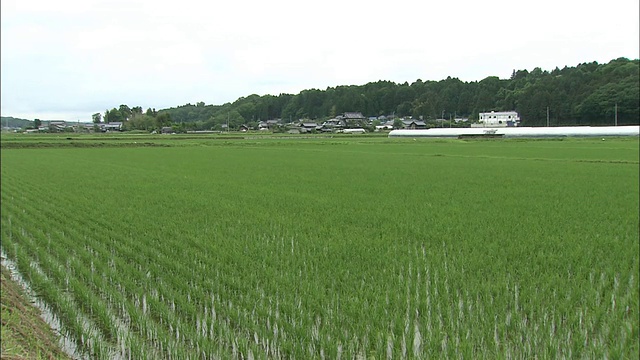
(498, 119)
(111, 126)
(354, 119)
(334, 124)
(413, 124)
(57, 126)
(269, 124)
(384, 127)
(309, 126)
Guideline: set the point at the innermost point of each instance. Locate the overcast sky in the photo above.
(68, 59)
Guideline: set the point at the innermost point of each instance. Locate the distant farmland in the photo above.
(333, 248)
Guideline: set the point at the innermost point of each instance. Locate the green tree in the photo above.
(136, 111)
(37, 123)
(163, 119)
(586, 94)
(231, 118)
(125, 112)
(140, 122)
(486, 94)
(404, 109)
(97, 118)
(113, 115)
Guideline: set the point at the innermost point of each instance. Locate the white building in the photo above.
(498, 119)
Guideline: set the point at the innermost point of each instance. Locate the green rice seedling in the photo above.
(305, 249)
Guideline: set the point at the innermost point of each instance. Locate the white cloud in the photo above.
(73, 58)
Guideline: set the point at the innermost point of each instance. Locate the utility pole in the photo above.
(547, 116)
(616, 117)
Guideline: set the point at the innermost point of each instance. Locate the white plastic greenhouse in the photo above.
(510, 132)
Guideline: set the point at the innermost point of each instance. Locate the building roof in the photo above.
(411, 121)
(353, 115)
(333, 122)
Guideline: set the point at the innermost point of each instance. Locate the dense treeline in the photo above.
(11, 122)
(587, 94)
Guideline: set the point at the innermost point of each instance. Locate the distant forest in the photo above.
(587, 94)
(10, 121)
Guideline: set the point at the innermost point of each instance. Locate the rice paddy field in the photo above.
(329, 248)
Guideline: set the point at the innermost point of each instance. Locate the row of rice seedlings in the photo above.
(502, 325)
(95, 264)
(179, 284)
(243, 290)
(188, 311)
(302, 316)
(104, 319)
(62, 306)
(57, 246)
(237, 315)
(298, 314)
(138, 311)
(65, 305)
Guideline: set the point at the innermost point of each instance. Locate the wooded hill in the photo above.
(587, 94)
(11, 122)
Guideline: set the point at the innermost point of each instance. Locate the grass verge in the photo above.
(24, 334)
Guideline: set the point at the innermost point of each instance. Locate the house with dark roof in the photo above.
(354, 119)
(309, 126)
(334, 124)
(269, 124)
(414, 124)
(111, 126)
(353, 115)
(54, 126)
